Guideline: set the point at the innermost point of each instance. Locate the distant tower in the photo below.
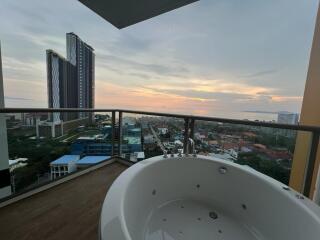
(82, 56)
(5, 184)
(71, 80)
(62, 85)
(288, 118)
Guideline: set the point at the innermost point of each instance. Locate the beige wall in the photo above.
(310, 115)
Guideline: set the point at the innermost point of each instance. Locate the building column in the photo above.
(310, 115)
(5, 183)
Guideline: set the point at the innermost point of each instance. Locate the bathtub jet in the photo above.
(173, 198)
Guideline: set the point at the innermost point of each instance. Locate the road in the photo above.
(157, 139)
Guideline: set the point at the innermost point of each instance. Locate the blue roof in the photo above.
(66, 159)
(93, 159)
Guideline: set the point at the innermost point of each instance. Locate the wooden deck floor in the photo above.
(68, 211)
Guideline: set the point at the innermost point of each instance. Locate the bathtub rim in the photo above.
(309, 206)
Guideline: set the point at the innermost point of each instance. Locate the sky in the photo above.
(213, 57)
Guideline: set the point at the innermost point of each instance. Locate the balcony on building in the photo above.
(61, 162)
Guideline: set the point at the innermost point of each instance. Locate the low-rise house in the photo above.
(63, 166)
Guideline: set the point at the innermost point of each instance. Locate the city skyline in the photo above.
(208, 65)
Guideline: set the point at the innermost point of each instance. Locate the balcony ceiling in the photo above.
(123, 13)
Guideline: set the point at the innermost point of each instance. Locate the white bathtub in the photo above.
(204, 198)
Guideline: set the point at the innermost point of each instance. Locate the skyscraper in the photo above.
(81, 55)
(288, 118)
(62, 82)
(71, 80)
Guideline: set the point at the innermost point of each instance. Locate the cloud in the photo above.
(114, 96)
(287, 98)
(211, 86)
(112, 61)
(18, 70)
(197, 59)
(43, 40)
(260, 74)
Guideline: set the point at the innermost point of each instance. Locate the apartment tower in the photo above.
(71, 80)
(62, 82)
(82, 56)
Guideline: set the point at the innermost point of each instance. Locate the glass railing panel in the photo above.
(44, 147)
(267, 150)
(146, 136)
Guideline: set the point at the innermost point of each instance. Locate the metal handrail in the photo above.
(298, 127)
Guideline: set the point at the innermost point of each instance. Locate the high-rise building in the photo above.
(288, 118)
(70, 85)
(62, 82)
(81, 55)
(71, 80)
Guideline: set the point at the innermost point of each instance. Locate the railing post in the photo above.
(113, 124)
(119, 133)
(186, 135)
(311, 164)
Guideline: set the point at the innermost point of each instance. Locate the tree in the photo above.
(270, 168)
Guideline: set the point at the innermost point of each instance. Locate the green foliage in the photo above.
(25, 176)
(276, 140)
(268, 167)
(39, 153)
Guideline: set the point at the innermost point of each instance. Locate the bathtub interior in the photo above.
(200, 198)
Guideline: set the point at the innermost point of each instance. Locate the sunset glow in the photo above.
(193, 61)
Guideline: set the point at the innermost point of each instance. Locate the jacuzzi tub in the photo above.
(200, 198)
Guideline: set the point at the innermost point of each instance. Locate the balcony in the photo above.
(69, 210)
(55, 195)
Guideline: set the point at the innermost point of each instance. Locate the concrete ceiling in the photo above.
(123, 13)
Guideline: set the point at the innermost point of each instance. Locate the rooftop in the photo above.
(68, 211)
(93, 159)
(132, 140)
(66, 159)
(86, 44)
